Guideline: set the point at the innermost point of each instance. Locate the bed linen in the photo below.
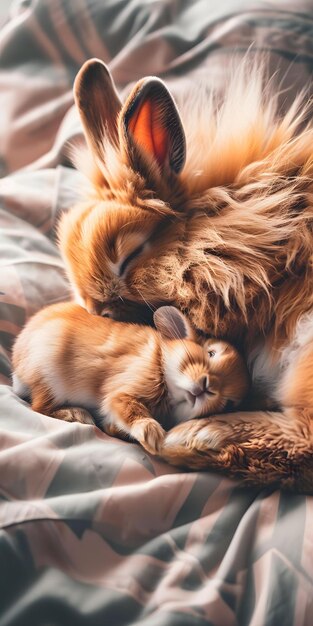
(92, 529)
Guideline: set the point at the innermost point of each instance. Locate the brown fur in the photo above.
(230, 242)
(261, 448)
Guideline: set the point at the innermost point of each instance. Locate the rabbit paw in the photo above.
(198, 434)
(73, 414)
(149, 433)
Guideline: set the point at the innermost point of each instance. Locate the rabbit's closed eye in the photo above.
(130, 257)
(128, 247)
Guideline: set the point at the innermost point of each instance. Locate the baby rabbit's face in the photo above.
(202, 378)
(187, 375)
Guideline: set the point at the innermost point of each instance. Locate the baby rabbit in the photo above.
(134, 376)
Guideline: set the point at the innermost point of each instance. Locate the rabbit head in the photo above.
(132, 216)
(201, 377)
(209, 237)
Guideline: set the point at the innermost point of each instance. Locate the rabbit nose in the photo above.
(200, 386)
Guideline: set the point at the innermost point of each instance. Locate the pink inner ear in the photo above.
(149, 132)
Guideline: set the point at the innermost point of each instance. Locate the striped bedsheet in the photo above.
(92, 529)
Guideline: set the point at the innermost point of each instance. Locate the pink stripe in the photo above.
(4, 380)
(11, 285)
(9, 327)
(302, 605)
(46, 43)
(64, 32)
(89, 559)
(267, 518)
(201, 528)
(89, 33)
(160, 499)
(14, 25)
(307, 544)
(261, 570)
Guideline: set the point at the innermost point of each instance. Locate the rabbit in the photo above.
(135, 377)
(207, 207)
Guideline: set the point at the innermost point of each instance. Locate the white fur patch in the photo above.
(302, 337)
(211, 437)
(110, 418)
(77, 297)
(174, 438)
(42, 357)
(43, 352)
(19, 387)
(177, 383)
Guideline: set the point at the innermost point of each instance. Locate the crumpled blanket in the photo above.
(93, 529)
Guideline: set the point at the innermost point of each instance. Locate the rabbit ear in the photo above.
(172, 324)
(98, 104)
(150, 126)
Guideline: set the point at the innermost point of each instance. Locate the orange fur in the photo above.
(227, 239)
(132, 375)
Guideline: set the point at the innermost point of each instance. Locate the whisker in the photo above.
(149, 305)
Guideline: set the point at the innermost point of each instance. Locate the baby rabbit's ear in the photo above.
(172, 324)
(151, 129)
(98, 104)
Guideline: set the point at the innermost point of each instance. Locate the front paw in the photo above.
(149, 433)
(199, 434)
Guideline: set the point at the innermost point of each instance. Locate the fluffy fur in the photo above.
(227, 238)
(139, 380)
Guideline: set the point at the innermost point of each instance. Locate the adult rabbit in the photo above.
(209, 209)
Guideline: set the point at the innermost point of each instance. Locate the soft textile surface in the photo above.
(93, 530)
